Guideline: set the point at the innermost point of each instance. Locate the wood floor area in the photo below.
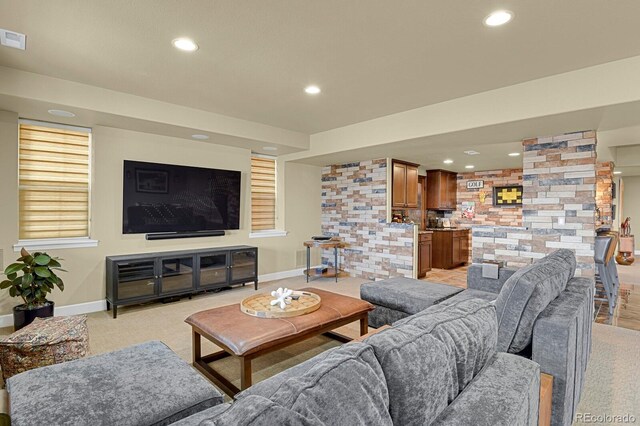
(626, 314)
(456, 277)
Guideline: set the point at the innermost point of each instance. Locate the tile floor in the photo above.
(626, 314)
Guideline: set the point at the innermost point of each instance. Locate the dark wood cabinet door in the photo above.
(433, 190)
(464, 248)
(452, 189)
(411, 180)
(442, 187)
(441, 252)
(455, 251)
(398, 194)
(424, 261)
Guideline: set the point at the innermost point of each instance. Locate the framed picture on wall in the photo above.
(507, 196)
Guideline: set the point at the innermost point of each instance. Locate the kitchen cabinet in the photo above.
(404, 185)
(442, 186)
(424, 253)
(422, 200)
(450, 248)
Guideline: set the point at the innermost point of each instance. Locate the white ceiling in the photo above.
(371, 58)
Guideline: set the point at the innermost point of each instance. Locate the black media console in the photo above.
(139, 278)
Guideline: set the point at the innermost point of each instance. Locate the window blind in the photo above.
(263, 193)
(53, 182)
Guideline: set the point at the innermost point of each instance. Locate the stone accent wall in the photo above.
(508, 244)
(604, 193)
(485, 212)
(559, 201)
(354, 207)
(559, 195)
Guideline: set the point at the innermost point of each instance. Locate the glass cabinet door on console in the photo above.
(243, 265)
(176, 274)
(213, 270)
(136, 279)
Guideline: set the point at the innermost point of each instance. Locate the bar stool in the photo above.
(606, 272)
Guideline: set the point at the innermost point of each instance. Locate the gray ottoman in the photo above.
(397, 298)
(146, 384)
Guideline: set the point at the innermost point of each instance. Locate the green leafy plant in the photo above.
(33, 278)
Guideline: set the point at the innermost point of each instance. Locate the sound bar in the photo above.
(172, 235)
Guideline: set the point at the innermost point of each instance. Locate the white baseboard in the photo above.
(80, 308)
(101, 305)
(284, 274)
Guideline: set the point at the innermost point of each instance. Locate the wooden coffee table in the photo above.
(246, 337)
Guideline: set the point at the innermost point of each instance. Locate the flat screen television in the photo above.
(173, 198)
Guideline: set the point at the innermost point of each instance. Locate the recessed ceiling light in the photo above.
(312, 90)
(270, 148)
(200, 137)
(61, 113)
(497, 18)
(617, 172)
(471, 152)
(469, 166)
(514, 154)
(185, 44)
(448, 161)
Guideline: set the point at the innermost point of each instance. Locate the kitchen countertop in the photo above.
(425, 231)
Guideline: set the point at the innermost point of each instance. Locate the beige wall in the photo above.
(299, 203)
(631, 205)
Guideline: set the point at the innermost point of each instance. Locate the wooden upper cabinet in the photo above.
(405, 185)
(399, 195)
(412, 186)
(442, 187)
(452, 189)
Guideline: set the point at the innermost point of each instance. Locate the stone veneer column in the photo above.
(604, 192)
(559, 179)
(354, 207)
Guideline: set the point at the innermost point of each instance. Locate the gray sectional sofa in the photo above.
(438, 367)
(544, 314)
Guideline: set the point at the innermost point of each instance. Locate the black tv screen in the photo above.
(172, 198)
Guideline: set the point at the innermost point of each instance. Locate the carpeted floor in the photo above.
(611, 384)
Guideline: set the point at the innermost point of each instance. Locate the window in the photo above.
(263, 193)
(54, 181)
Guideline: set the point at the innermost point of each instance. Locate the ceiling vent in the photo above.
(13, 39)
(472, 152)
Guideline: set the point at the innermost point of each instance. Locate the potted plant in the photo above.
(32, 278)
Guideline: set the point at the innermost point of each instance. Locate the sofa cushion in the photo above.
(406, 294)
(527, 293)
(381, 315)
(343, 385)
(562, 256)
(505, 393)
(468, 329)
(208, 414)
(417, 370)
(143, 384)
(471, 294)
(256, 410)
